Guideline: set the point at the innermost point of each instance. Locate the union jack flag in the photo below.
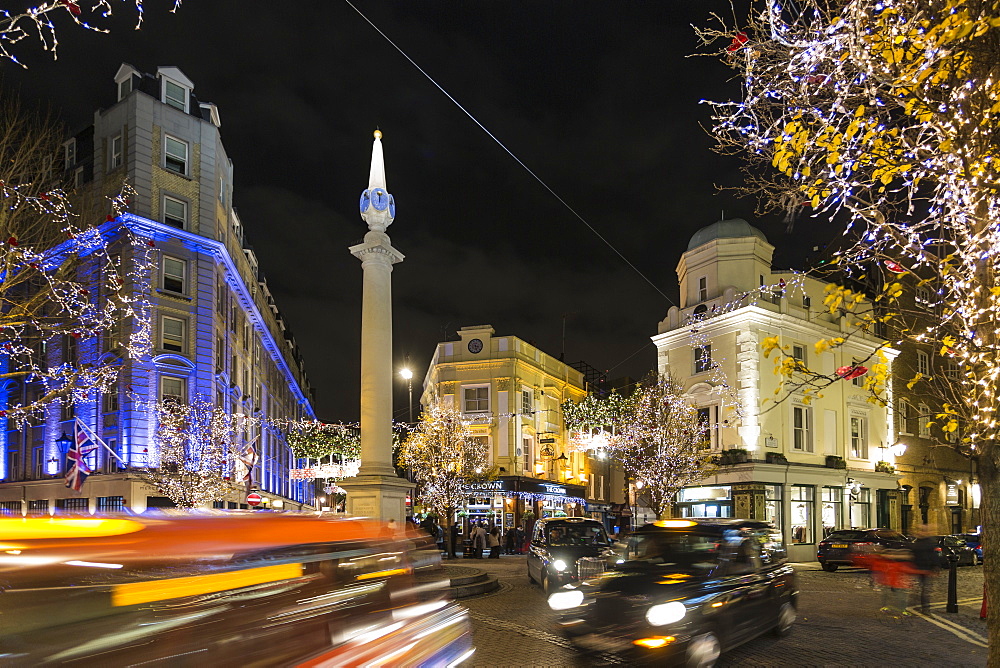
(77, 469)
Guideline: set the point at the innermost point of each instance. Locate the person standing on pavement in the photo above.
(493, 542)
(926, 560)
(478, 541)
(519, 540)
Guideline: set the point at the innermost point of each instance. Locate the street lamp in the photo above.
(899, 449)
(63, 443)
(408, 375)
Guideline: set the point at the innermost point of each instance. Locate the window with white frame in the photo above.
(923, 363)
(172, 334)
(175, 95)
(117, 153)
(174, 212)
(922, 296)
(799, 352)
(860, 380)
(951, 371)
(702, 358)
(527, 401)
(903, 415)
(924, 421)
(476, 399)
(703, 288)
(802, 428)
(174, 274)
(527, 446)
(175, 155)
(69, 153)
(859, 437)
(110, 400)
(173, 389)
(708, 423)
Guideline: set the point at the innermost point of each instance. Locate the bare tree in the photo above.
(72, 288)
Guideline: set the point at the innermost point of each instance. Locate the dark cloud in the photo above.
(599, 99)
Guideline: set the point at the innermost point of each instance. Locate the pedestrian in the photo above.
(892, 570)
(493, 542)
(509, 540)
(439, 535)
(389, 530)
(519, 540)
(454, 541)
(478, 541)
(927, 561)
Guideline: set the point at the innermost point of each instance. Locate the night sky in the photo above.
(597, 98)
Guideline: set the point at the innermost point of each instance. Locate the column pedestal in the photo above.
(378, 496)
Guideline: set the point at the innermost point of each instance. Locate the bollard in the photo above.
(952, 583)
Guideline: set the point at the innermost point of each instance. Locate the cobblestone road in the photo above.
(839, 625)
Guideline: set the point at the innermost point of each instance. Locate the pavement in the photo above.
(839, 623)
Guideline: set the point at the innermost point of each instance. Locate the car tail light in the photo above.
(824, 544)
(862, 547)
(937, 549)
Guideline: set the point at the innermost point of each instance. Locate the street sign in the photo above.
(254, 499)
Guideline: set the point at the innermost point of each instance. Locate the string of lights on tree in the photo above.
(197, 446)
(884, 115)
(72, 293)
(445, 459)
(39, 21)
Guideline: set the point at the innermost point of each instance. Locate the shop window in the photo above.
(861, 510)
(772, 504)
(833, 501)
(38, 507)
(801, 509)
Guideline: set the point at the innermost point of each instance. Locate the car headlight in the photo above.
(559, 565)
(564, 600)
(666, 613)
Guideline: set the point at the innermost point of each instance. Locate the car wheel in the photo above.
(786, 617)
(546, 585)
(703, 651)
(829, 568)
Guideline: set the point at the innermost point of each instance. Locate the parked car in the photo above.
(975, 541)
(682, 592)
(841, 547)
(955, 547)
(252, 589)
(567, 549)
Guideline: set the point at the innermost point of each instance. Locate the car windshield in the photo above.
(567, 534)
(674, 549)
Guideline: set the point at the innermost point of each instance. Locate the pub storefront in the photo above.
(506, 502)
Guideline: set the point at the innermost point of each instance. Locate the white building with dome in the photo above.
(809, 466)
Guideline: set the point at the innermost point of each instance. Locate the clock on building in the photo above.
(366, 201)
(475, 346)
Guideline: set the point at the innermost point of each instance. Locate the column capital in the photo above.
(376, 247)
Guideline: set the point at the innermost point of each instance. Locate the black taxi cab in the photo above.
(567, 549)
(228, 589)
(682, 592)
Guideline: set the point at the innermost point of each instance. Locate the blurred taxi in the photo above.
(683, 591)
(219, 590)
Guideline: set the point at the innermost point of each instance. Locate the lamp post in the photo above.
(406, 373)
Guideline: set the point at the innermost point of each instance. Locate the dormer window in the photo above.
(124, 88)
(175, 95)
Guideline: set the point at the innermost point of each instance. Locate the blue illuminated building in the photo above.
(217, 332)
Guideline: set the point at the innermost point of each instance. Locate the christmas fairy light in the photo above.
(40, 21)
(883, 116)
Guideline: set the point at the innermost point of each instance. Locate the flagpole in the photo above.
(90, 432)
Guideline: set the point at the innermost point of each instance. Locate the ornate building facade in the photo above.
(217, 333)
(810, 464)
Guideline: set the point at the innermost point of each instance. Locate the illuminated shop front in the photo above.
(505, 502)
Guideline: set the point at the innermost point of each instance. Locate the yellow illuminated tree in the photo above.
(884, 116)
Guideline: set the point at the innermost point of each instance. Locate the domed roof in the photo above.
(734, 228)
